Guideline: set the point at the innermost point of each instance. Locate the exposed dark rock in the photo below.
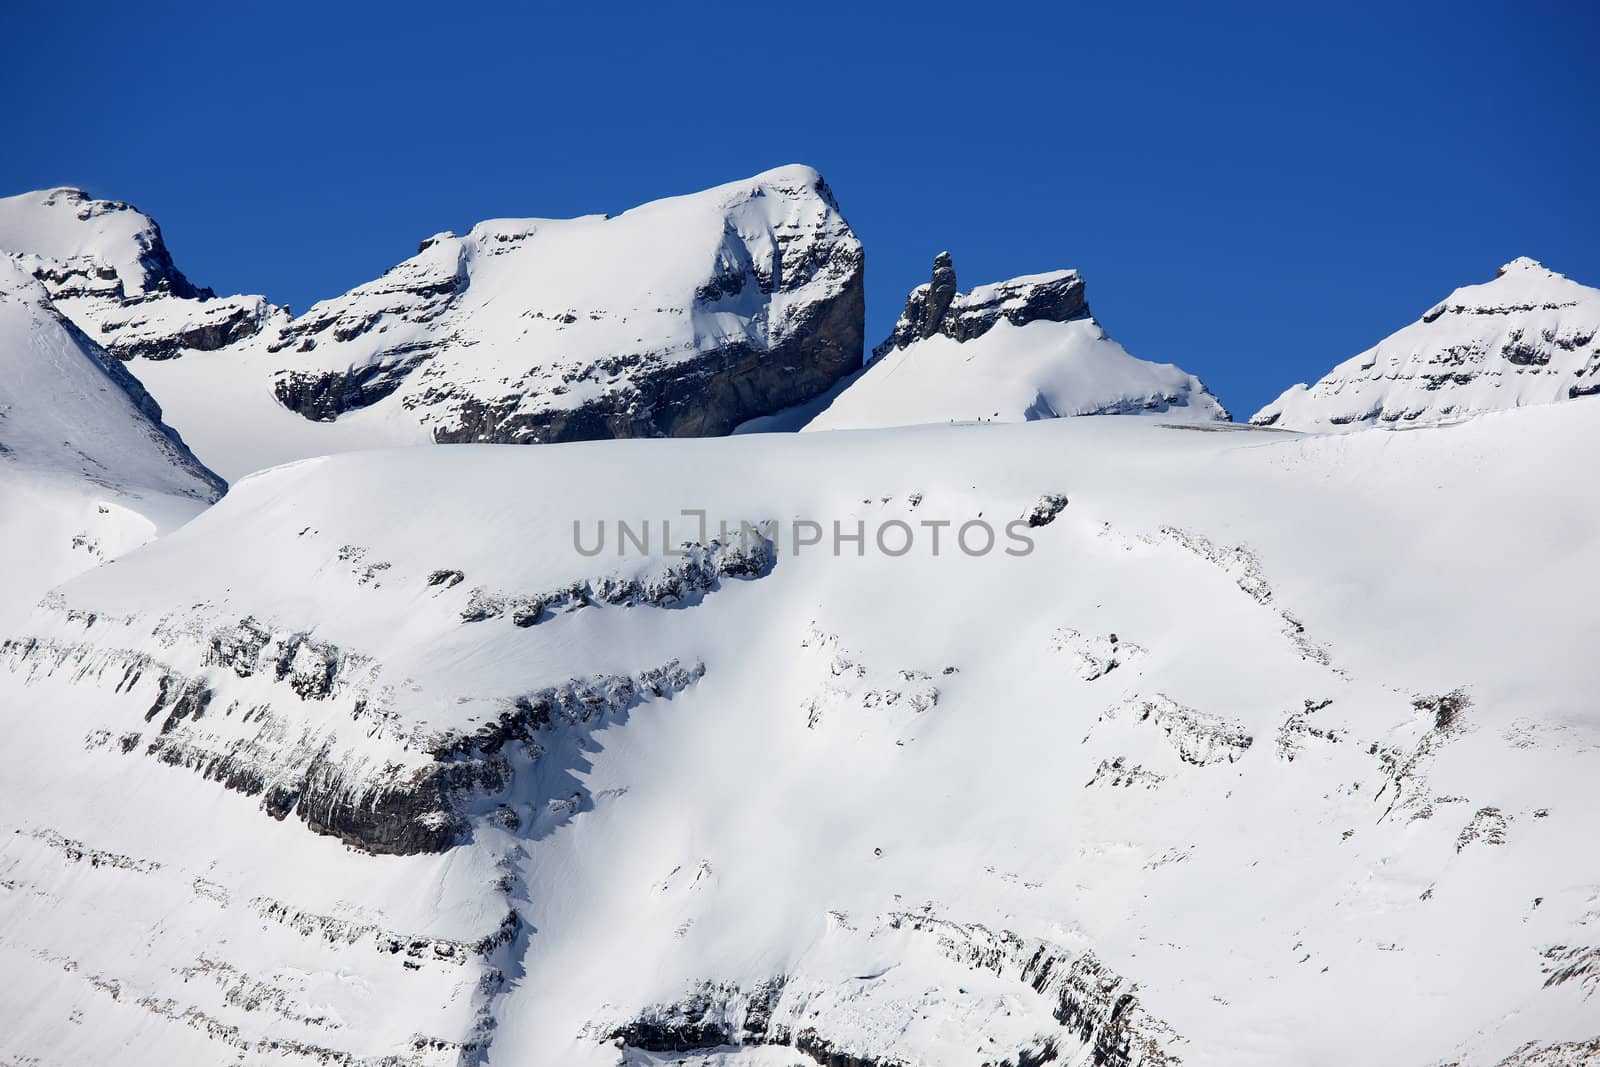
(425, 805)
(1197, 737)
(702, 397)
(1048, 507)
(205, 335)
(1579, 964)
(937, 308)
(1582, 1053)
(1488, 825)
(1299, 727)
(699, 570)
(324, 396)
(1097, 1008)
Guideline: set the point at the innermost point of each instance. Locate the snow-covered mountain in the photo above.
(1530, 336)
(686, 316)
(108, 269)
(1255, 748)
(1012, 351)
(87, 470)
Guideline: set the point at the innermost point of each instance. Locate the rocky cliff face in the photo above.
(1021, 349)
(937, 307)
(1530, 336)
(681, 318)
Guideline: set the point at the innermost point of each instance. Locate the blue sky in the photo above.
(1252, 192)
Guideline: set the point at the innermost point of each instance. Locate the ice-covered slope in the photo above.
(1016, 350)
(1530, 336)
(1267, 752)
(683, 317)
(87, 471)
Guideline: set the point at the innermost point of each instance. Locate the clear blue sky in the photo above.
(1253, 193)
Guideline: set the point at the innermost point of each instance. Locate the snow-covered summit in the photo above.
(684, 316)
(1021, 349)
(105, 243)
(1527, 337)
(108, 269)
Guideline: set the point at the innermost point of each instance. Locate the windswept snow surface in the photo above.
(1530, 336)
(1274, 749)
(87, 470)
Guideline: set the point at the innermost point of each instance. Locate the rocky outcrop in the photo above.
(704, 398)
(1013, 351)
(324, 396)
(1197, 737)
(937, 307)
(156, 328)
(698, 570)
(1097, 1015)
(711, 1015)
(1045, 510)
(422, 800)
(1094, 656)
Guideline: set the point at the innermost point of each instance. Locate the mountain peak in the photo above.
(86, 245)
(1011, 351)
(1528, 336)
(1522, 263)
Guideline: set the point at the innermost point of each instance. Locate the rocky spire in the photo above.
(936, 307)
(941, 290)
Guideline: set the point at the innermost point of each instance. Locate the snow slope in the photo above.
(1016, 350)
(1530, 336)
(87, 470)
(1268, 752)
(686, 316)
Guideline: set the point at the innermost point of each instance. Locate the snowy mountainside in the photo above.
(685, 316)
(1017, 350)
(87, 470)
(1529, 336)
(682, 317)
(108, 269)
(1266, 752)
